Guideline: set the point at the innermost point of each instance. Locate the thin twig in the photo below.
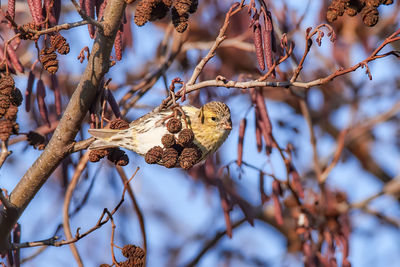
(211, 243)
(336, 156)
(78, 236)
(4, 152)
(136, 207)
(86, 17)
(220, 38)
(191, 86)
(81, 145)
(68, 196)
(313, 140)
(112, 237)
(368, 124)
(65, 26)
(4, 201)
(84, 94)
(146, 84)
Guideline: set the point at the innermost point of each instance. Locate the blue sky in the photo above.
(193, 208)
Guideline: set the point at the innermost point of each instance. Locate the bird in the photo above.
(211, 125)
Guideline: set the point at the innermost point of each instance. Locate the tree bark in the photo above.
(61, 144)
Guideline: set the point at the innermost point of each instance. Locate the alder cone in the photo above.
(118, 157)
(168, 3)
(16, 97)
(60, 43)
(180, 22)
(335, 10)
(168, 140)
(36, 140)
(6, 128)
(169, 157)
(144, 11)
(370, 16)
(182, 6)
(193, 6)
(119, 124)
(159, 11)
(154, 155)
(132, 251)
(174, 125)
(4, 101)
(48, 58)
(97, 155)
(185, 137)
(6, 82)
(188, 158)
(15, 129)
(24, 31)
(123, 160)
(11, 113)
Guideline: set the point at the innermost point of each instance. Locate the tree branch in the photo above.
(60, 144)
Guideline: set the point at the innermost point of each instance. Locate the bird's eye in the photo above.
(213, 118)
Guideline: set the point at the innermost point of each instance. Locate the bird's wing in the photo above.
(102, 133)
(102, 138)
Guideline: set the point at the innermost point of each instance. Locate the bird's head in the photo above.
(216, 115)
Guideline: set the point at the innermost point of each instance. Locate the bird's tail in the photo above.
(104, 138)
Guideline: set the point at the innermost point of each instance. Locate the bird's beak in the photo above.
(227, 125)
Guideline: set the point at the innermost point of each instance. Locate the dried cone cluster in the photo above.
(115, 155)
(25, 33)
(10, 100)
(135, 256)
(150, 10)
(60, 44)
(367, 8)
(48, 56)
(180, 151)
(36, 140)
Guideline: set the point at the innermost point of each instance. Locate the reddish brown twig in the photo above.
(100, 222)
(309, 35)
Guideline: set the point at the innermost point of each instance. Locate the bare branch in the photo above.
(60, 144)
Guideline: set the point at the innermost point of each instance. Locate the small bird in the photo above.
(211, 125)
